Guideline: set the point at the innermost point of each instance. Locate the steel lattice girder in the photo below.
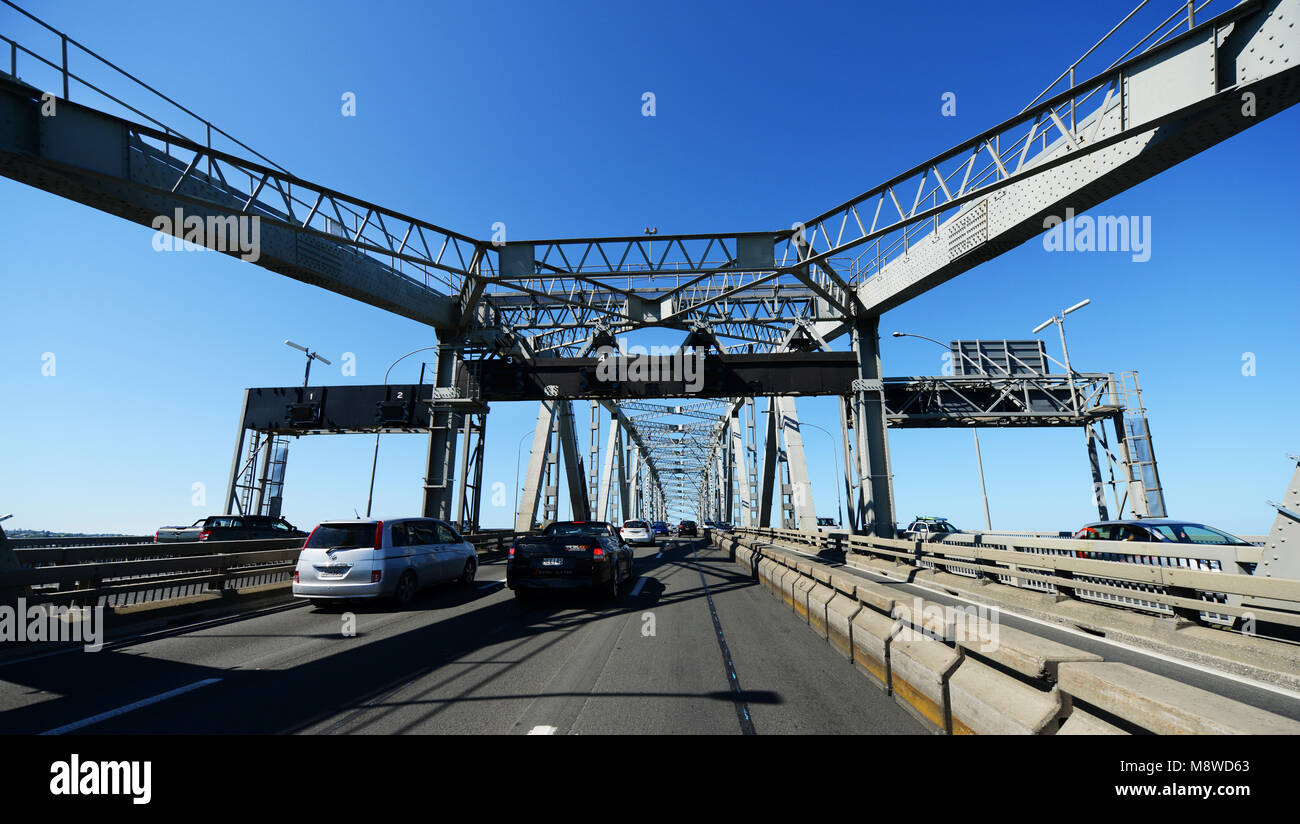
(910, 402)
(1072, 149)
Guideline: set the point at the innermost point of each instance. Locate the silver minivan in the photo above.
(390, 558)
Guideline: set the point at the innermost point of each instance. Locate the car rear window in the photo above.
(335, 536)
(636, 525)
(589, 528)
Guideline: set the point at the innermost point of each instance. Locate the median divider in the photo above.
(1165, 706)
(960, 673)
(819, 598)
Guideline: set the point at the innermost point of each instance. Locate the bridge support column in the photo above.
(579, 505)
(738, 502)
(875, 501)
(613, 448)
(236, 463)
(471, 471)
(632, 492)
(438, 489)
(538, 460)
(797, 504)
(846, 447)
(768, 476)
(1098, 486)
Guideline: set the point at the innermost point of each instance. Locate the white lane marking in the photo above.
(541, 729)
(95, 719)
(1169, 659)
(636, 590)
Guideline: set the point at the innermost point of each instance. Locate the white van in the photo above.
(392, 558)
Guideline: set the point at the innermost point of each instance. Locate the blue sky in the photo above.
(530, 114)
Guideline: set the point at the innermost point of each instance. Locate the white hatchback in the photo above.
(636, 532)
(392, 558)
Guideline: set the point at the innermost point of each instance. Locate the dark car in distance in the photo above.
(1163, 532)
(229, 528)
(687, 529)
(570, 555)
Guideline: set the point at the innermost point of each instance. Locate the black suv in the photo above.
(686, 529)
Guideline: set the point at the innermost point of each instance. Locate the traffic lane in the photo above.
(665, 674)
(774, 651)
(315, 688)
(557, 681)
(77, 685)
(481, 666)
(1285, 704)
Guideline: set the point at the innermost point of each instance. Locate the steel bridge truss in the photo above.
(1189, 84)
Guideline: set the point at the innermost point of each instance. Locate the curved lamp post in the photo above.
(375, 461)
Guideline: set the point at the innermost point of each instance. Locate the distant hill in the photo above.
(46, 533)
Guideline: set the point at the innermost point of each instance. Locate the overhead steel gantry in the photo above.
(1192, 82)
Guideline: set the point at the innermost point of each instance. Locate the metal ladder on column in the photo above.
(273, 495)
(1141, 455)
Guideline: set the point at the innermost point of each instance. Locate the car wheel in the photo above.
(405, 592)
(467, 577)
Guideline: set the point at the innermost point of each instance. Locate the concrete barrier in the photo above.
(875, 596)
(870, 637)
(1018, 650)
(789, 578)
(984, 701)
(980, 677)
(745, 558)
(840, 611)
(818, 599)
(799, 592)
(919, 669)
(1165, 706)
(1082, 723)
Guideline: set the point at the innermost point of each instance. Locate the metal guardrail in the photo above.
(1205, 584)
(80, 540)
(148, 572)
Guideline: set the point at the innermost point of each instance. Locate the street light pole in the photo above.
(518, 448)
(839, 507)
(979, 459)
(1059, 320)
(311, 356)
(374, 463)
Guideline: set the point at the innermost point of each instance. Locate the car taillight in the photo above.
(155, 537)
(296, 579)
(377, 574)
(379, 537)
(204, 535)
(510, 553)
(597, 552)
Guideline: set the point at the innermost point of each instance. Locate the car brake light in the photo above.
(296, 579)
(597, 552)
(204, 535)
(376, 575)
(511, 553)
(379, 537)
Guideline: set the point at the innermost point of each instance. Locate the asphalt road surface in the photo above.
(692, 646)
